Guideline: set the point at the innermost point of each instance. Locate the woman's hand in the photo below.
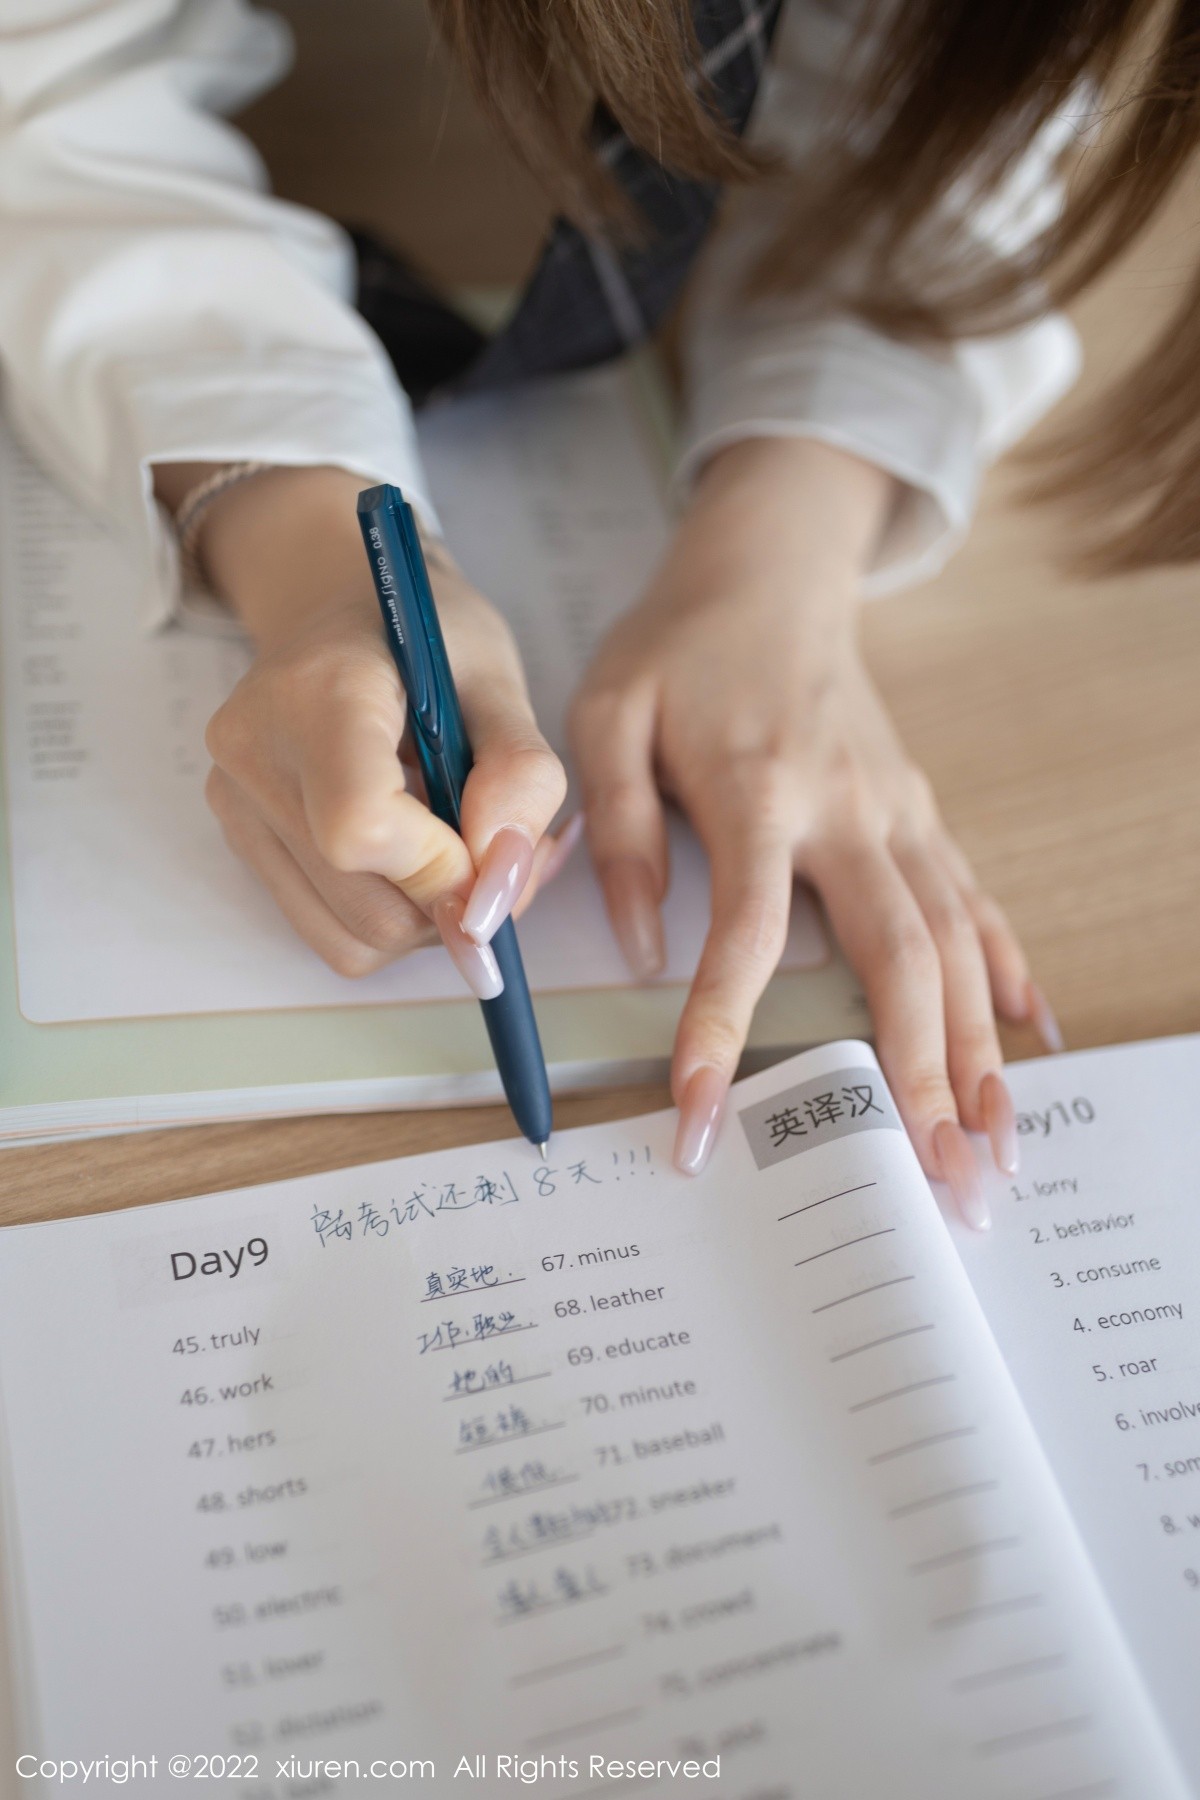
(736, 689)
(306, 781)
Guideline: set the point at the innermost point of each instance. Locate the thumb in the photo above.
(364, 821)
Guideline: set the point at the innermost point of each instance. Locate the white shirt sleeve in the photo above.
(809, 367)
(157, 304)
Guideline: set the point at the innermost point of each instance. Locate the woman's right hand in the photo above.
(306, 780)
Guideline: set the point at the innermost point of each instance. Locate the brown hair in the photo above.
(953, 93)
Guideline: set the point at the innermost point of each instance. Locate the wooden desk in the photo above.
(1059, 721)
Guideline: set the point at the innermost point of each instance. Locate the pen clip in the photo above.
(423, 699)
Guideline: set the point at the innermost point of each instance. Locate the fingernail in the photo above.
(561, 848)
(502, 875)
(1042, 1017)
(476, 963)
(632, 901)
(960, 1172)
(999, 1121)
(699, 1116)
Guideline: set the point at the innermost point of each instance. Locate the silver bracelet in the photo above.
(193, 510)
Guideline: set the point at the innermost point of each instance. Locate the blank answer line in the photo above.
(954, 1493)
(567, 1667)
(849, 1244)
(891, 1338)
(985, 1609)
(963, 1554)
(898, 1393)
(840, 1195)
(1033, 1665)
(924, 1443)
(859, 1292)
(1033, 1734)
(570, 1731)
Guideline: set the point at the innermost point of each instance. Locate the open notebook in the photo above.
(153, 981)
(534, 1474)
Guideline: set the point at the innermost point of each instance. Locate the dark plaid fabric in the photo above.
(429, 342)
(587, 300)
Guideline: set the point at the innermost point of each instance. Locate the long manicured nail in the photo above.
(960, 1172)
(999, 1121)
(476, 963)
(1042, 1017)
(632, 902)
(699, 1118)
(561, 849)
(498, 885)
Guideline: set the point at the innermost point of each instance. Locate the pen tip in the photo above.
(542, 1149)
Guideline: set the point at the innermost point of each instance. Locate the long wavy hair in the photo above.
(950, 96)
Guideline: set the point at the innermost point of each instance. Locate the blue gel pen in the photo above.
(415, 640)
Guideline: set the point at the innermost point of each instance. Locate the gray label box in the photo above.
(815, 1112)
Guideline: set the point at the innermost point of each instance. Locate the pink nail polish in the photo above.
(960, 1172)
(699, 1117)
(1042, 1017)
(999, 1121)
(476, 963)
(560, 851)
(632, 901)
(498, 885)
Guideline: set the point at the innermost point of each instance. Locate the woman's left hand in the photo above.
(736, 689)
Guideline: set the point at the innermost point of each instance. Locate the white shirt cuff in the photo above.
(933, 420)
(299, 411)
